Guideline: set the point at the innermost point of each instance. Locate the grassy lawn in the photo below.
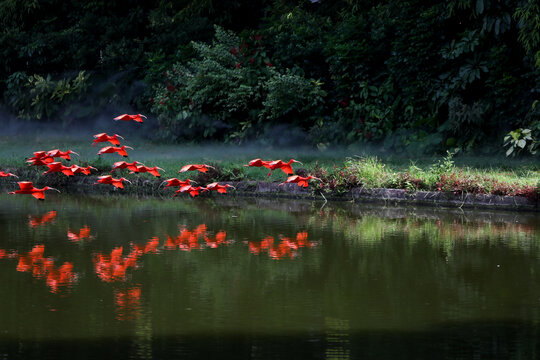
(339, 169)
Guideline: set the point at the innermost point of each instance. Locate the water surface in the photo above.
(94, 277)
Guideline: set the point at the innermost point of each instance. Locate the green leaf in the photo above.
(479, 6)
(509, 151)
(521, 143)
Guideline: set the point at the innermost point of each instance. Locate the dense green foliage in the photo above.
(422, 75)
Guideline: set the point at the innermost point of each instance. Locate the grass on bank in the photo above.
(340, 169)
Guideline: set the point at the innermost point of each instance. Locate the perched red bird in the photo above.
(193, 191)
(81, 169)
(108, 179)
(222, 189)
(301, 181)
(258, 163)
(150, 170)
(285, 167)
(125, 165)
(176, 182)
(103, 137)
(5, 174)
(192, 167)
(58, 167)
(112, 149)
(126, 117)
(27, 187)
(61, 154)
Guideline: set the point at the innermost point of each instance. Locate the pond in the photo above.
(121, 277)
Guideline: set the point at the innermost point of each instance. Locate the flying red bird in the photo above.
(112, 149)
(150, 170)
(125, 165)
(81, 169)
(126, 117)
(103, 137)
(61, 154)
(192, 167)
(176, 182)
(222, 189)
(40, 158)
(5, 174)
(301, 181)
(258, 163)
(108, 179)
(285, 167)
(193, 191)
(27, 187)
(58, 167)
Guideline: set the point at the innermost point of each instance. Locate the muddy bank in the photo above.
(152, 187)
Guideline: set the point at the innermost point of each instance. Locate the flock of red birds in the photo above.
(48, 159)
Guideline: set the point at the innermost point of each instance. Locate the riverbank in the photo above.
(451, 181)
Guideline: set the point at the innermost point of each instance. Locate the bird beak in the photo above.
(50, 188)
(129, 147)
(211, 167)
(143, 116)
(231, 186)
(192, 181)
(316, 178)
(119, 136)
(160, 169)
(296, 161)
(73, 152)
(126, 180)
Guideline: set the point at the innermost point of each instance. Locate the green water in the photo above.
(227, 277)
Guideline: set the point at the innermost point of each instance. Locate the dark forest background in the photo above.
(421, 76)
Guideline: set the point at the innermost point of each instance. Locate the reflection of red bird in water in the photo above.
(109, 180)
(103, 137)
(83, 233)
(222, 189)
(112, 149)
(128, 303)
(126, 117)
(42, 267)
(4, 174)
(287, 247)
(151, 170)
(58, 167)
(301, 181)
(188, 240)
(82, 169)
(199, 167)
(176, 182)
(27, 187)
(38, 220)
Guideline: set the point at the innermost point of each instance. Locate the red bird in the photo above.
(192, 167)
(126, 117)
(112, 149)
(125, 165)
(258, 163)
(40, 158)
(150, 170)
(222, 189)
(61, 154)
(108, 179)
(285, 167)
(193, 191)
(27, 187)
(103, 137)
(4, 174)
(58, 167)
(82, 170)
(301, 181)
(176, 182)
